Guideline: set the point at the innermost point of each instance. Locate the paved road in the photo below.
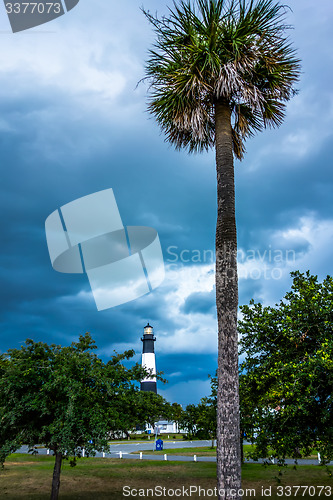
(128, 447)
(124, 449)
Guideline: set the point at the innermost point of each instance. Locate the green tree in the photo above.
(208, 411)
(219, 71)
(199, 421)
(151, 407)
(189, 420)
(66, 398)
(176, 413)
(287, 375)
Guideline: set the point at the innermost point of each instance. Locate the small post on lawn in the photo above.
(83, 451)
(165, 457)
(120, 454)
(103, 454)
(47, 452)
(140, 455)
(194, 458)
(319, 458)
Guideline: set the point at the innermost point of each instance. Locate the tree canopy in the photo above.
(151, 407)
(287, 376)
(199, 420)
(211, 50)
(67, 398)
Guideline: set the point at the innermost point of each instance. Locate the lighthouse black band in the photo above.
(149, 386)
(148, 345)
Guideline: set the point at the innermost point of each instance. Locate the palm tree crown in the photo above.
(232, 51)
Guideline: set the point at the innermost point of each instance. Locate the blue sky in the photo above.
(73, 122)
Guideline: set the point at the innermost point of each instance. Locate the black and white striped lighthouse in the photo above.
(148, 359)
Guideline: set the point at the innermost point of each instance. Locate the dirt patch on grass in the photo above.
(23, 464)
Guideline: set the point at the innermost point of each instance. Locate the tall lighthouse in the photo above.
(148, 359)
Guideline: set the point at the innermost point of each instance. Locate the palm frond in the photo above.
(208, 50)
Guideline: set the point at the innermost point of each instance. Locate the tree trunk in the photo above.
(228, 443)
(56, 476)
(241, 446)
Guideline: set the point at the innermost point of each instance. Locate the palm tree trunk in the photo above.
(56, 476)
(228, 444)
(241, 441)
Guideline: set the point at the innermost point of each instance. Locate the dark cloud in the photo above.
(200, 302)
(272, 198)
(75, 126)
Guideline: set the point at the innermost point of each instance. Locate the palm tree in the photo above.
(219, 71)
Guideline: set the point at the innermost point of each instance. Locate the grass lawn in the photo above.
(29, 477)
(249, 447)
(203, 451)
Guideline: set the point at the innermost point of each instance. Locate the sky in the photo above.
(73, 121)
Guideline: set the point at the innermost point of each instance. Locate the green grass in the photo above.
(247, 448)
(203, 451)
(28, 477)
